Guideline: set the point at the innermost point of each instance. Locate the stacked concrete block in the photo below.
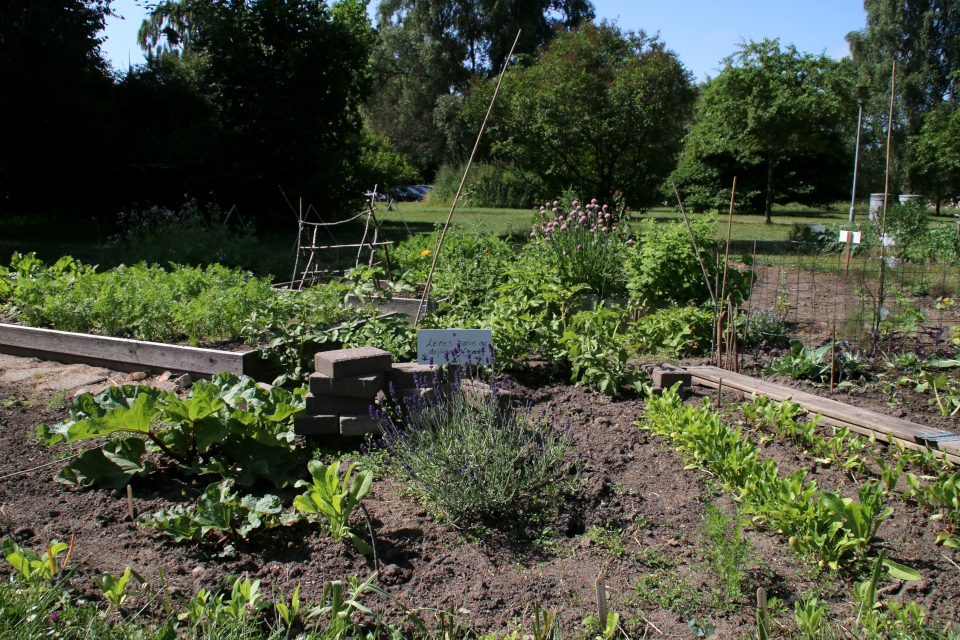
(346, 383)
(664, 376)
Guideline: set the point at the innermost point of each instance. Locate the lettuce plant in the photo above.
(335, 500)
(228, 425)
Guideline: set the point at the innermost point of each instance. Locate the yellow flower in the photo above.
(425, 252)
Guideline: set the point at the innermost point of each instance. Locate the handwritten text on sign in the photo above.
(434, 344)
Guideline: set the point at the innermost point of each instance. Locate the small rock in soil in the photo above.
(137, 376)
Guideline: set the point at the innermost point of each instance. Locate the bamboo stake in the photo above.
(886, 193)
(453, 206)
(726, 257)
(696, 250)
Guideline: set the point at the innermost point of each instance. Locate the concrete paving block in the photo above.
(72, 383)
(667, 375)
(367, 386)
(19, 375)
(404, 375)
(358, 425)
(319, 425)
(352, 362)
(328, 405)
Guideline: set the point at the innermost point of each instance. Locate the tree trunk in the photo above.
(937, 210)
(769, 205)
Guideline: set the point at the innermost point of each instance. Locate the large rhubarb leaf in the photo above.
(111, 466)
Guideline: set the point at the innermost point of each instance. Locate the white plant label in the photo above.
(817, 228)
(888, 241)
(855, 238)
(434, 346)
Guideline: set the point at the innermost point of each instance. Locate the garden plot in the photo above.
(657, 532)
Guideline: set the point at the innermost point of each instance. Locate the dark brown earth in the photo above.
(637, 489)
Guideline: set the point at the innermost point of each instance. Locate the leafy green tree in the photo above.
(937, 164)
(427, 53)
(600, 110)
(923, 36)
(777, 120)
(55, 100)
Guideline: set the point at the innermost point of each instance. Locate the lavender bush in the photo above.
(584, 242)
(468, 455)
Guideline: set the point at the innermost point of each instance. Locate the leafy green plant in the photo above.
(334, 499)
(943, 498)
(33, 567)
(674, 331)
(221, 518)
(114, 589)
(836, 529)
(727, 551)
(597, 352)
(606, 629)
(663, 266)
(228, 425)
(809, 614)
(817, 364)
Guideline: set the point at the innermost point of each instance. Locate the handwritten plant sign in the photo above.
(434, 344)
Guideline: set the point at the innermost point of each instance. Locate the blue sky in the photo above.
(702, 32)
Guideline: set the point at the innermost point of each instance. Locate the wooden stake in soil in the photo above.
(453, 206)
(833, 357)
(602, 603)
(719, 393)
(846, 253)
(762, 614)
(133, 517)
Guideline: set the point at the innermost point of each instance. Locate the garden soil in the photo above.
(652, 556)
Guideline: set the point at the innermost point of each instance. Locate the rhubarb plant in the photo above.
(229, 426)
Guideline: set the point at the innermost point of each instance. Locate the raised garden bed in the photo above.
(640, 519)
(122, 354)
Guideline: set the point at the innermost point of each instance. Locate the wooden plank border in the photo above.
(121, 354)
(885, 428)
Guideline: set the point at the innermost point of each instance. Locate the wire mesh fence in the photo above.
(871, 300)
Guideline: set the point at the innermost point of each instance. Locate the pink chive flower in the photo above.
(594, 201)
(579, 246)
(556, 203)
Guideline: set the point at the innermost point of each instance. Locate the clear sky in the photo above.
(702, 32)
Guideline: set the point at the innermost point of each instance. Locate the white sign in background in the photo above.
(434, 344)
(855, 239)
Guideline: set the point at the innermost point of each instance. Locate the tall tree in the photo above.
(771, 112)
(599, 109)
(937, 148)
(54, 102)
(429, 50)
(285, 79)
(923, 36)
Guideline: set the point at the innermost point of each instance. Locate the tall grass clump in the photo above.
(468, 455)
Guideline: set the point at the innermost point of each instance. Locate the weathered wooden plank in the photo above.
(857, 418)
(909, 444)
(63, 346)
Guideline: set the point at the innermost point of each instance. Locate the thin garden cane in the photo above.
(696, 250)
(453, 207)
(886, 193)
(726, 263)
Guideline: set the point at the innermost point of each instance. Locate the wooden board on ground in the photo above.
(860, 420)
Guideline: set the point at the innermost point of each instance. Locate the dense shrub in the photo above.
(674, 331)
(664, 267)
(488, 185)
